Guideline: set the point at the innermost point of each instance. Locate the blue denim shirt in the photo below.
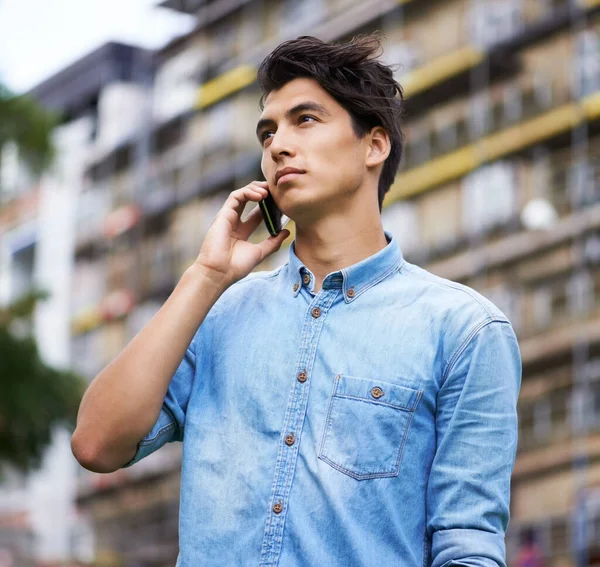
(372, 424)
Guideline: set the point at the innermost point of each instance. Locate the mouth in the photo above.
(286, 175)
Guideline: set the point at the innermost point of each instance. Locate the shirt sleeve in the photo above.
(170, 424)
(468, 494)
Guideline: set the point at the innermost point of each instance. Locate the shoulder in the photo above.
(453, 298)
(465, 319)
(255, 284)
(243, 293)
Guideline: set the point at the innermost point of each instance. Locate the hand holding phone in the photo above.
(227, 255)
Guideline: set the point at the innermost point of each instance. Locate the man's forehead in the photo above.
(294, 92)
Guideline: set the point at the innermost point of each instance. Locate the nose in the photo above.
(281, 145)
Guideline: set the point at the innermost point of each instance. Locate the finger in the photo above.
(237, 199)
(251, 223)
(273, 243)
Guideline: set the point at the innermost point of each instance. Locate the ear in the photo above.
(378, 147)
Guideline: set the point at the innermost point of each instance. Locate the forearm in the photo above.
(124, 401)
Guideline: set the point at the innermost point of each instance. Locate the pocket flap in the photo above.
(377, 391)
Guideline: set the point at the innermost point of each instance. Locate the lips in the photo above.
(288, 173)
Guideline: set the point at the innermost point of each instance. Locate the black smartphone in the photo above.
(273, 217)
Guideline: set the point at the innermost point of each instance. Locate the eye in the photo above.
(305, 116)
(264, 136)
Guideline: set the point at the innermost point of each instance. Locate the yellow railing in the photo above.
(460, 162)
(414, 82)
(441, 69)
(225, 84)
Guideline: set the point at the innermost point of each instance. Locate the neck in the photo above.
(334, 243)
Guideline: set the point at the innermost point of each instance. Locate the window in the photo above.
(92, 207)
(513, 104)
(530, 103)
(297, 15)
(580, 295)
(493, 21)
(176, 84)
(560, 188)
(526, 421)
(558, 301)
(489, 197)
(591, 249)
(559, 402)
(542, 419)
(401, 219)
(542, 308)
(217, 130)
(479, 116)
(541, 173)
(122, 110)
(583, 183)
(440, 218)
(446, 136)
(543, 89)
(403, 57)
(418, 147)
(223, 40)
(586, 70)
(583, 407)
(158, 269)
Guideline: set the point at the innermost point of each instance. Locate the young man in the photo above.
(346, 410)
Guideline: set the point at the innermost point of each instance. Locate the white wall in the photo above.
(52, 489)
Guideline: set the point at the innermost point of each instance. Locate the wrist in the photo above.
(211, 281)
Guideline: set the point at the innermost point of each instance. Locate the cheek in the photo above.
(266, 166)
(345, 159)
(262, 164)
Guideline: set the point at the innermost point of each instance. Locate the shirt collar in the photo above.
(355, 279)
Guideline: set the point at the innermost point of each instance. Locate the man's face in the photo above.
(304, 128)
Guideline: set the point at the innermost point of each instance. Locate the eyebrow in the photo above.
(308, 106)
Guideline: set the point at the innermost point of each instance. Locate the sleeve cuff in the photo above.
(161, 433)
(472, 548)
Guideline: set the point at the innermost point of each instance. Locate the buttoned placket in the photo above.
(291, 433)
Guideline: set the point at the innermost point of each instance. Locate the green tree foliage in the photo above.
(35, 398)
(25, 122)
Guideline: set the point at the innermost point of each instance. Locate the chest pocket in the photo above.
(366, 426)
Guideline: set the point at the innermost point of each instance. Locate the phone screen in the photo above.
(274, 219)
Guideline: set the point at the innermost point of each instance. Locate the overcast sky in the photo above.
(40, 37)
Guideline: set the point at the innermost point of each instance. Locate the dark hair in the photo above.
(350, 73)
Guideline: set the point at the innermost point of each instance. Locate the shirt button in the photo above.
(306, 279)
(316, 312)
(289, 440)
(277, 507)
(351, 292)
(377, 392)
(296, 286)
(302, 376)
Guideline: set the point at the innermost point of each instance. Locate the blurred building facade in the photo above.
(38, 516)
(499, 188)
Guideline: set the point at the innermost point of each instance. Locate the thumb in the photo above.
(273, 243)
